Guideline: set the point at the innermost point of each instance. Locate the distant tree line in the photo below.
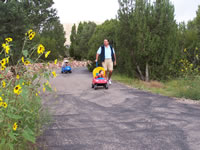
(18, 16)
(149, 43)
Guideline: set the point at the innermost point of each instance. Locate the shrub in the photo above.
(189, 85)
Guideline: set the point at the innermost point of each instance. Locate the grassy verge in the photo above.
(180, 88)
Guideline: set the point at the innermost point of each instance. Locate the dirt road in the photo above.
(120, 118)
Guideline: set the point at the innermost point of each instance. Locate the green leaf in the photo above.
(49, 88)
(11, 146)
(31, 61)
(12, 116)
(28, 135)
(34, 77)
(46, 75)
(25, 93)
(12, 136)
(2, 142)
(25, 53)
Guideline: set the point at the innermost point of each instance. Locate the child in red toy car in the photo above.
(100, 75)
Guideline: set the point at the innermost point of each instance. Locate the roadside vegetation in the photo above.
(22, 114)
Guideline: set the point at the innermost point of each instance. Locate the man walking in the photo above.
(108, 57)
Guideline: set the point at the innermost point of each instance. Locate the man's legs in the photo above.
(110, 74)
(106, 69)
(110, 68)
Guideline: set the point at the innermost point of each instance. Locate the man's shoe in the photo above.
(109, 81)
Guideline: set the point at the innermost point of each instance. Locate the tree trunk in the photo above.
(140, 72)
(147, 72)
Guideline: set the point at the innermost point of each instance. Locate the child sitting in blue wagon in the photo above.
(65, 67)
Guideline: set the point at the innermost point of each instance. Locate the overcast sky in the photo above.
(72, 11)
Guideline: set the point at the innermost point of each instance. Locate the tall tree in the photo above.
(79, 42)
(151, 33)
(72, 39)
(18, 16)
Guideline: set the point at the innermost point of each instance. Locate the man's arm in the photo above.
(98, 53)
(97, 57)
(115, 63)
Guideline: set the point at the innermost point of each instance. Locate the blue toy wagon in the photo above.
(66, 68)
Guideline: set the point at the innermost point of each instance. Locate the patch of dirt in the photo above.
(153, 84)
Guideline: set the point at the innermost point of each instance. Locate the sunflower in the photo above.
(4, 46)
(5, 105)
(44, 89)
(23, 59)
(30, 31)
(47, 54)
(3, 68)
(31, 35)
(40, 49)
(3, 83)
(17, 77)
(15, 126)
(55, 62)
(3, 62)
(9, 40)
(7, 60)
(17, 89)
(26, 62)
(54, 74)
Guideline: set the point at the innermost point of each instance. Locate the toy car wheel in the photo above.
(106, 86)
(61, 71)
(70, 71)
(95, 87)
(92, 85)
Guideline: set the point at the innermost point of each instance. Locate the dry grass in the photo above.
(153, 84)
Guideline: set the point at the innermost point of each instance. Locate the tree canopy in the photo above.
(18, 16)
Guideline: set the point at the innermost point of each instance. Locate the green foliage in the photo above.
(53, 36)
(189, 88)
(79, 41)
(151, 31)
(73, 40)
(17, 17)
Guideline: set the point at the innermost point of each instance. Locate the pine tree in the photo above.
(72, 39)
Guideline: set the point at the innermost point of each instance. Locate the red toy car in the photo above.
(98, 78)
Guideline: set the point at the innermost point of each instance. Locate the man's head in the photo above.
(106, 42)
